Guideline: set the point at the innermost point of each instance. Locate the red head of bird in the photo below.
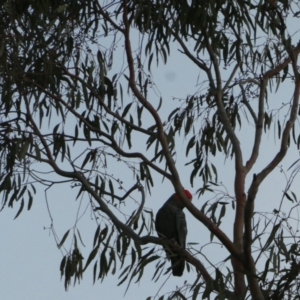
(187, 193)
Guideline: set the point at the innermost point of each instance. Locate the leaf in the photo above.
(272, 235)
(196, 291)
(62, 265)
(91, 257)
(126, 109)
(103, 265)
(22, 192)
(37, 152)
(100, 58)
(76, 134)
(30, 200)
(133, 257)
(294, 196)
(128, 135)
(63, 239)
(78, 232)
(102, 235)
(188, 125)
(150, 61)
(111, 188)
(94, 272)
(266, 270)
(124, 271)
(172, 113)
(160, 103)
(288, 197)
(222, 213)
(20, 209)
(294, 163)
(96, 235)
(139, 114)
(87, 157)
(279, 129)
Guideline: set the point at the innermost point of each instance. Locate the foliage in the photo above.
(78, 99)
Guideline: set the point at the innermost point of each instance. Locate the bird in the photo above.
(170, 223)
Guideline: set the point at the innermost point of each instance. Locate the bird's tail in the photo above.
(177, 265)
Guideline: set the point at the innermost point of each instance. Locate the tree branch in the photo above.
(259, 125)
(221, 109)
(106, 16)
(257, 180)
(186, 51)
(245, 101)
(239, 181)
(106, 108)
(287, 129)
(161, 136)
(125, 228)
(258, 133)
(113, 144)
(192, 260)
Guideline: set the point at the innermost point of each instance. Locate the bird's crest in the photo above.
(187, 193)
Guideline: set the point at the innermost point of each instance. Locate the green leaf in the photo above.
(288, 196)
(126, 109)
(24, 150)
(87, 158)
(78, 232)
(63, 239)
(160, 103)
(188, 125)
(272, 235)
(102, 235)
(96, 235)
(62, 265)
(94, 272)
(196, 291)
(76, 134)
(172, 113)
(111, 188)
(30, 200)
(91, 257)
(20, 209)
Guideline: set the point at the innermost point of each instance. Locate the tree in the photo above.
(72, 110)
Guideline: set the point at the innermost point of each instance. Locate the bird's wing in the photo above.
(181, 228)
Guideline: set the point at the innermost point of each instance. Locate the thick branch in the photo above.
(161, 136)
(246, 102)
(257, 180)
(239, 181)
(126, 228)
(213, 228)
(250, 268)
(259, 124)
(160, 130)
(285, 135)
(221, 109)
(175, 179)
(201, 65)
(192, 260)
